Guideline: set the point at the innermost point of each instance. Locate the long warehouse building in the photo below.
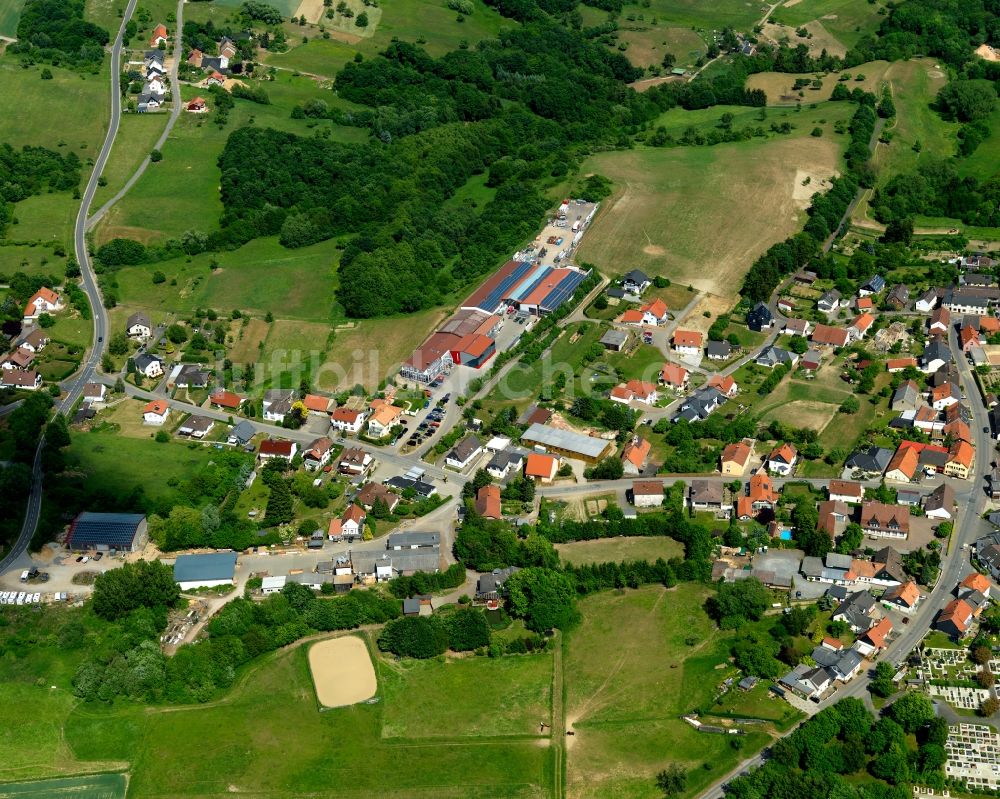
(531, 289)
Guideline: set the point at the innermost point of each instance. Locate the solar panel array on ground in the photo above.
(493, 291)
(563, 291)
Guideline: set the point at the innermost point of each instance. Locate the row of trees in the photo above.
(129, 662)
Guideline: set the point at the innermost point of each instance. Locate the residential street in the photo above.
(969, 526)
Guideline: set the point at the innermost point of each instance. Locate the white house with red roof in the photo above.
(156, 412)
(347, 420)
(275, 448)
(45, 300)
(350, 525)
(160, 34)
(687, 342)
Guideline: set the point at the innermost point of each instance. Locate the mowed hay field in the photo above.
(630, 674)
(648, 43)
(10, 14)
(98, 786)
(605, 550)
(701, 215)
(845, 20)
(704, 14)
(267, 737)
(467, 696)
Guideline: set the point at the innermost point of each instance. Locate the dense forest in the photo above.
(55, 31)
(946, 29)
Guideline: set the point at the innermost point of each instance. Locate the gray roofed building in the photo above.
(463, 452)
(835, 560)
(907, 397)
(196, 426)
(149, 365)
(775, 356)
(988, 553)
(873, 459)
(278, 402)
(566, 442)
(975, 600)
(412, 540)
(890, 565)
(811, 568)
(830, 301)
(315, 580)
(856, 611)
(408, 561)
(138, 319)
(636, 281)
(614, 340)
(908, 496)
(718, 350)
(701, 404)
(503, 462)
(707, 494)
(191, 376)
(241, 433)
(488, 585)
(420, 487)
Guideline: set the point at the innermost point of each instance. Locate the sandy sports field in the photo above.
(342, 671)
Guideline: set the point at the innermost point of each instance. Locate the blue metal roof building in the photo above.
(211, 569)
(123, 532)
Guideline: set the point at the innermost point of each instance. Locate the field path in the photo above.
(175, 111)
(558, 728)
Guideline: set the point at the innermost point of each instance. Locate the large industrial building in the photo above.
(466, 338)
(206, 570)
(530, 288)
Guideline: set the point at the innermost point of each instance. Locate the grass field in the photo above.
(704, 14)
(846, 20)
(625, 710)
(372, 349)
(182, 191)
(77, 108)
(605, 550)
(468, 696)
(99, 786)
(10, 13)
(778, 85)
(33, 261)
(268, 739)
(117, 464)
(824, 116)
(675, 211)
(648, 43)
(431, 24)
(47, 218)
(259, 277)
(914, 86)
(984, 162)
(137, 133)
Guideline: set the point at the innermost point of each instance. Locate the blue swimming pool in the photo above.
(785, 535)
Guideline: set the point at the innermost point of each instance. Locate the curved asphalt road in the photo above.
(74, 388)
